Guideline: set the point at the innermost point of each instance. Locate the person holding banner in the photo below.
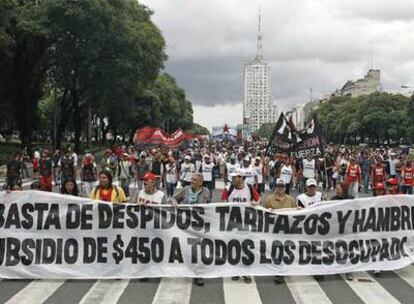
(194, 194)
(106, 191)
(240, 192)
(279, 200)
(149, 195)
(309, 198)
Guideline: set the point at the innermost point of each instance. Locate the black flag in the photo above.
(284, 137)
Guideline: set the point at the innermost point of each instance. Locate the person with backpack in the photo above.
(240, 192)
(106, 191)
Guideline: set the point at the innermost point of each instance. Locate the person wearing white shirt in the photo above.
(171, 176)
(309, 167)
(186, 171)
(230, 168)
(249, 173)
(149, 195)
(207, 171)
(286, 173)
(258, 168)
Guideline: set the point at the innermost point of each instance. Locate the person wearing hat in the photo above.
(207, 170)
(106, 190)
(311, 196)
(240, 192)
(186, 171)
(279, 200)
(124, 173)
(88, 174)
(45, 171)
(149, 195)
(249, 173)
(393, 186)
(378, 189)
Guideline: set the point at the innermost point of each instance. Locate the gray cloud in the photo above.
(317, 44)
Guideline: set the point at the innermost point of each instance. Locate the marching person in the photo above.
(67, 167)
(106, 191)
(45, 171)
(230, 168)
(186, 171)
(56, 161)
(249, 173)
(309, 198)
(393, 186)
(258, 168)
(378, 172)
(240, 192)
(150, 195)
(309, 168)
(171, 177)
(353, 177)
(287, 173)
(158, 169)
(279, 200)
(407, 176)
(14, 171)
(342, 193)
(194, 193)
(88, 174)
(108, 162)
(124, 173)
(207, 170)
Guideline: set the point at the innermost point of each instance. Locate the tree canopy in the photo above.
(374, 118)
(60, 59)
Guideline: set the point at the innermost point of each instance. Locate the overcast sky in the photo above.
(317, 44)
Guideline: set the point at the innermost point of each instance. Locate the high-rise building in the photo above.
(258, 106)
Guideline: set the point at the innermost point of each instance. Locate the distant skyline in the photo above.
(318, 44)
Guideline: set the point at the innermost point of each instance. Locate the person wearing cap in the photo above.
(248, 172)
(279, 200)
(240, 192)
(150, 195)
(88, 174)
(187, 170)
(45, 171)
(393, 186)
(124, 173)
(207, 170)
(311, 196)
(230, 168)
(106, 191)
(258, 168)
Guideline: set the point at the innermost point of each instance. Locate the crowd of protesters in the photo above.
(188, 176)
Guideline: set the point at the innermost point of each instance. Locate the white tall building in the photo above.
(258, 106)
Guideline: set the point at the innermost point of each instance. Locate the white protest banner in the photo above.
(46, 235)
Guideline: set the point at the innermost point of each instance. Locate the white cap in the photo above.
(280, 181)
(238, 172)
(206, 156)
(187, 157)
(311, 182)
(258, 158)
(233, 156)
(246, 158)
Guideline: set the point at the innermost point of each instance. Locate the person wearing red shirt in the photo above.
(393, 186)
(353, 177)
(407, 176)
(378, 172)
